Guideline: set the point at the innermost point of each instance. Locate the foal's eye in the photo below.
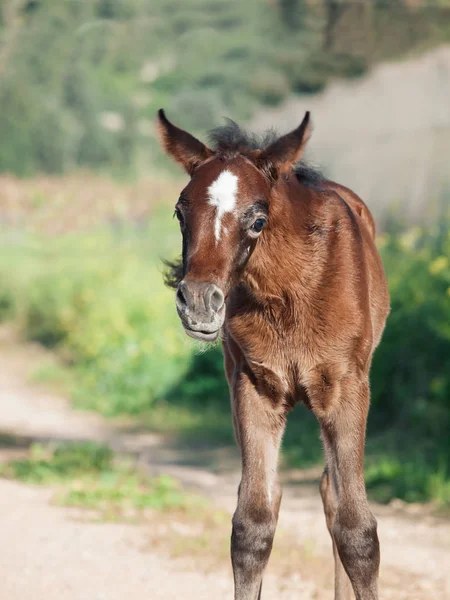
(179, 215)
(258, 225)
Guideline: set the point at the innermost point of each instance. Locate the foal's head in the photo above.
(223, 212)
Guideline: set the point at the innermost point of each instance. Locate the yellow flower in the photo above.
(409, 239)
(438, 265)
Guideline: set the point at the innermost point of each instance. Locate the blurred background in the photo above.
(86, 200)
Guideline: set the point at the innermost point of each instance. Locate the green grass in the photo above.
(87, 475)
(122, 493)
(412, 481)
(61, 463)
(55, 375)
(99, 299)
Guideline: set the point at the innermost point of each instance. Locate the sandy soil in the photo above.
(49, 552)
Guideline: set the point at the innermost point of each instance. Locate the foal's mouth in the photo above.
(202, 330)
(201, 308)
(202, 335)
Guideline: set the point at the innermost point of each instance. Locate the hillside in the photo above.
(80, 81)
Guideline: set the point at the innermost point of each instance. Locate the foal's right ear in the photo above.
(183, 147)
(287, 150)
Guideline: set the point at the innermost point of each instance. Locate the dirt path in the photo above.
(55, 553)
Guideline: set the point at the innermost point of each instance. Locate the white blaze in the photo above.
(222, 195)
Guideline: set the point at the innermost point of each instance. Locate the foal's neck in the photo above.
(286, 261)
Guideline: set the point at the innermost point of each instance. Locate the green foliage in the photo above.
(114, 493)
(269, 86)
(416, 480)
(55, 374)
(63, 462)
(91, 478)
(6, 302)
(411, 370)
(99, 300)
(80, 82)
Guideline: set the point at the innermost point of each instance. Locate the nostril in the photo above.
(181, 298)
(217, 299)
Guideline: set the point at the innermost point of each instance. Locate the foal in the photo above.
(284, 263)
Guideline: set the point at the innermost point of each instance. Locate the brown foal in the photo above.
(284, 263)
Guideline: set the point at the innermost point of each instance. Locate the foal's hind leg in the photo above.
(354, 530)
(342, 585)
(259, 431)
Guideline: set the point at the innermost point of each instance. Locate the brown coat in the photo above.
(284, 263)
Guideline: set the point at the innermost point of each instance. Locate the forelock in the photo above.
(231, 139)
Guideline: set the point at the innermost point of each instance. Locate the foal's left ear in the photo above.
(183, 147)
(282, 154)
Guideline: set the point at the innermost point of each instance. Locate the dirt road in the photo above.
(48, 552)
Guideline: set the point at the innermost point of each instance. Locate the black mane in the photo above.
(230, 140)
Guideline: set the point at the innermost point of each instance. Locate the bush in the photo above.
(411, 370)
(269, 86)
(97, 299)
(197, 109)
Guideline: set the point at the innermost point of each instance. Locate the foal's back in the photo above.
(376, 279)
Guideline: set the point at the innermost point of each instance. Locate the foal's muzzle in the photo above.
(201, 307)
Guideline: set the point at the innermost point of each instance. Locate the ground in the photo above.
(61, 553)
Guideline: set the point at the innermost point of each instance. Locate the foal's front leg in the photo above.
(259, 429)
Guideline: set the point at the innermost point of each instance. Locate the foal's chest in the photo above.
(282, 363)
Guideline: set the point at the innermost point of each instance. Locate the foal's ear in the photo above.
(282, 154)
(181, 145)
